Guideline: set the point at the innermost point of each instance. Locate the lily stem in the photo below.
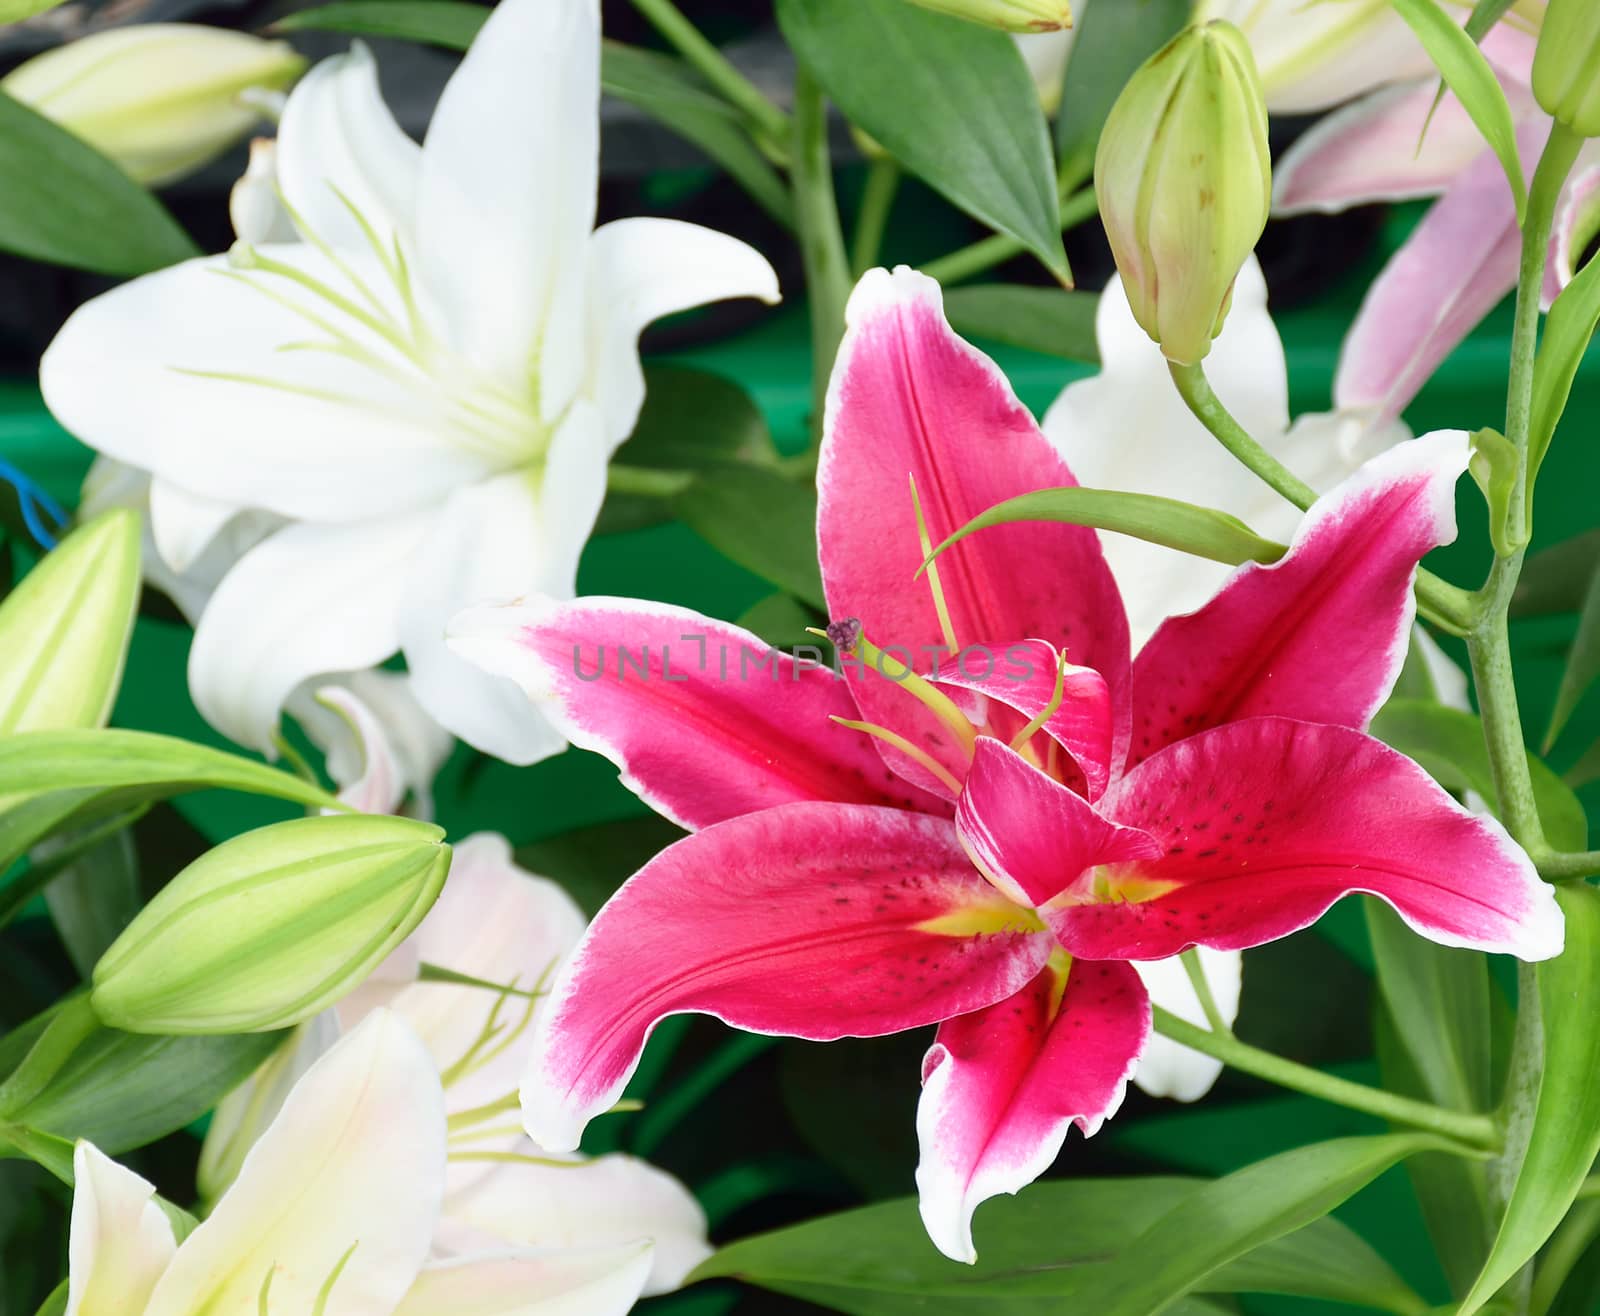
(877, 200)
(1478, 1132)
(715, 67)
(988, 252)
(821, 239)
(1202, 990)
(1555, 866)
(647, 481)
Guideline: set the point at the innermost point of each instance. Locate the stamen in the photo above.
(1048, 711)
(926, 546)
(326, 1291)
(905, 747)
(934, 699)
(1060, 966)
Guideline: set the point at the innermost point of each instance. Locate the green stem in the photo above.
(647, 481)
(821, 241)
(989, 252)
(427, 972)
(1556, 866)
(1518, 1106)
(877, 200)
(715, 67)
(1475, 1131)
(69, 1027)
(1202, 990)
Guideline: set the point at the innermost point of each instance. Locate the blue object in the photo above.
(33, 500)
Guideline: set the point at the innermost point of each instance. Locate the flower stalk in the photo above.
(821, 240)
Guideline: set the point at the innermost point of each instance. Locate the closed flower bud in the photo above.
(1566, 69)
(1007, 15)
(271, 927)
(161, 99)
(1184, 181)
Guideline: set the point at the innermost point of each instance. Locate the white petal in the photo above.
(351, 1171)
(184, 524)
(338, 140)
(610, 1200)
(245, 1113)
(1046, 55)
(492, 542)
(508, 192)
(1167, 1069)
(307, 433)
(308, 600)
(254, 204)
(1126, 428)
(374, 782)
(528, 1282)
(495, 921)
(641, 269)
(121, 1241)
(1449, 681)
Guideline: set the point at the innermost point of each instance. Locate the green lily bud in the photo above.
(161, 99)
(1184, 182)
(272, 926)
(1007, 15)
(1566, 67)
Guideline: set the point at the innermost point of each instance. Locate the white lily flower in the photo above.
(426, 387)
(333, 1212)
(498, 923)
(1127, 428)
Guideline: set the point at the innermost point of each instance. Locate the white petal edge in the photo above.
(121, 1242)
(528, 1282)
(1167, 1069)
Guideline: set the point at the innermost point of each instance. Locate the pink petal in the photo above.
(909, 400)
(1452, 271)
(1031, 835)
(1321, 634)
(1267, 823)
(1022, 678)
(1002, 1085)
(806, 920)
(1576, 223)
(705, 720)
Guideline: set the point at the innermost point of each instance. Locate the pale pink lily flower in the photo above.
(1462, 259)
(958, 868)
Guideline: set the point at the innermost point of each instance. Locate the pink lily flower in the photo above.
(988, 851)
(1462, 259)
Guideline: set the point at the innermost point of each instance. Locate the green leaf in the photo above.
(1557, 579)
(1567, 330)
(1495, 466)
(1449, 744)
(1469, 75)
(1565, 1135)
(1583, 663)
(1111, 42)
(64, 630)
(56, 1303)
(663, 87)
(1189, 529)
(590, 863)
(1050, 1242)
(952, 102)
(94, 897)
(63, 202)
(760, 519)
(1485, 14)
(692, 420)
(1230, 1217)
(1049, 320)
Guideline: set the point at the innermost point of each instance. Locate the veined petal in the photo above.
(1126, 428)
(487, 545)
(1453, 269)
(809, 920)
(1322, 633)
(309, 599)
(374, 783)
(1002, 1085)
(1022, 677)
(346, 1182)
(1266, 823)
(1029, 834)
(530, 1282)
(704, 719)
(586, 1204)
(502, 235)
(223, 382)
(340, 151)
(910, 401)
(1375, 149)
(1168, 1069)
(121, 1241)
(641, 269)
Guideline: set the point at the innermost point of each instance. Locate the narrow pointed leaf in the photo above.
(94, 897)
(959, 110)
(1469, 75)
(1049, 320)
(764, 521)
(1583, 664)
(1485, 14)
(1567, 331)
(448, 23)
(1556, 579)
(1199, 531)
(63, 202)
(1565, 1136)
